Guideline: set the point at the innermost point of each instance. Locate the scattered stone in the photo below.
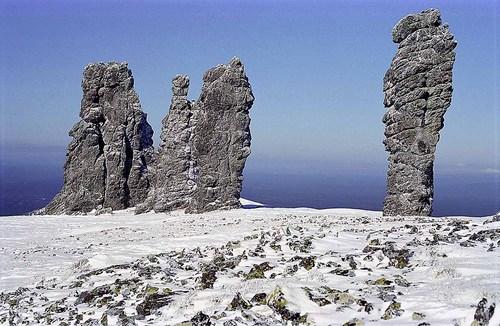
(401, 281)
(259, 298)
(92, 295)
(307, 262)
(208, 279)
(354, 322)
(493, 219)
(258, 270)
(276, 301)
(316, 297)
(417, 316)
(483, 313)
(152, 302)
(200, 319)
(238, 303)
(381, 281)
(393, 310)
(398, 258)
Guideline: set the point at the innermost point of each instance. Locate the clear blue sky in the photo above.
(316, 68)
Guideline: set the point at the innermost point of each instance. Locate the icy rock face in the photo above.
(221, 137)
(175, 172)
(418, 92)
(107, 159)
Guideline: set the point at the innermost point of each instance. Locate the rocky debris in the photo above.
(493, 219)
(393, 310)
(152, 302)
(307, 262)
(398, 258)
(417, 316)
(96, 293)
(221, 137)
(238, 303)
(108, 158)
(483, 313)
(259, 298)
(354, 322)
(208, 279)
(257, 271)
(418, 91)
(160, 287)
(317, 297)
(200, 319)
(175, 169)
(277, 301)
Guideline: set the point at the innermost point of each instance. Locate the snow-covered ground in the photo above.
(257, 265)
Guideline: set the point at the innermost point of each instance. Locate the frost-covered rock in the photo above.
(108, 157)
(418, 92)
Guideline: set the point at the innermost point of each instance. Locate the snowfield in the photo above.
(251, 266)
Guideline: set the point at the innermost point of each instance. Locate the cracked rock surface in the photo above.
(204, 144)
(175, 169)
(107, 159)
(418, 91)
(221, 140)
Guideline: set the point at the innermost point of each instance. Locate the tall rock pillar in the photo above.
(175, 170)
(107, 159)
(418, 92)
(221, 138)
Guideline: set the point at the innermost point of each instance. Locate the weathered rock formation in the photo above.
(107, 159)
(221, 139)
(204, 145)
(418, 91)
(175, 170)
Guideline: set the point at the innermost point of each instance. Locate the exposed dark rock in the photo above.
(276, 301)
(152, 302)
(108, 157)
(399, 258)
(418, 91)
(208, 279)
(259, 298)
(200, 319)
(238, 303)
(175, 170)
(393, 310)
(308, 262)
(258, 270)
(204, 144)
(96, 293)
(221, 139)
(483, 313)
(317, 297)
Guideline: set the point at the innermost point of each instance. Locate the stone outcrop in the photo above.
(204, 144)
(107, 159)
(418, 89)
(175, 170)
(221, 139)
